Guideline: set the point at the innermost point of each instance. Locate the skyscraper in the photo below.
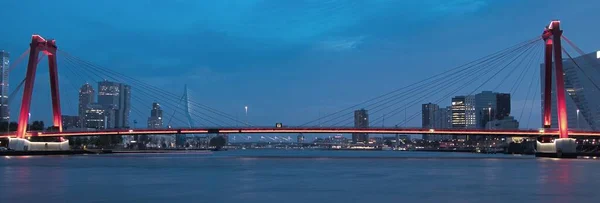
(156, 118)
(443, 119)
(434, 117)
(4, 69)
(124, 106)
(502, 105)
(428, 117)
(361, 120)
(117, 96)
(485, 105)
(428, 114)
(86, 98)
(463, 112)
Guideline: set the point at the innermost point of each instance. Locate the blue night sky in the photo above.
(286, 60)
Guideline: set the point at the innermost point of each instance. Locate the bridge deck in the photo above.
(254, 130)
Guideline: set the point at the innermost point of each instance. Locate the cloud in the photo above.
(342, 44)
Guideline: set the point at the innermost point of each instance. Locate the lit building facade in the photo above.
(463, 112)
(97, 116)
(118, 97)
(156, 117)
(86, 98)
(4, 70)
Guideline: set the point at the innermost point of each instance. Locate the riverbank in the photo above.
(46, 153)
(96, 151)
(154, 151)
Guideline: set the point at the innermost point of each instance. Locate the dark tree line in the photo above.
(12, 126)
(218, 142)
(99, 141)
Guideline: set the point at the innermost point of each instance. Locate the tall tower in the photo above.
(156, 117)
(86, 98)
(429, 113)
(361, 120)
(4, 68)
(124, 106)
(116, 96)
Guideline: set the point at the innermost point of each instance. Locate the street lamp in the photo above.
(246, 108)
(490, 116)
(577, 119)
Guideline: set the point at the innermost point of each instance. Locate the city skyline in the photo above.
(215, 75)
(299, 101)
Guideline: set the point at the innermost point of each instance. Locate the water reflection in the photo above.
(556, 176)
(317, 177)
(22, 177)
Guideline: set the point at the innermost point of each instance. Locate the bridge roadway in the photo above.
(310, 130)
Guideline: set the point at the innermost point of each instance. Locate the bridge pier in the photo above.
(559, 148)
(21, 144)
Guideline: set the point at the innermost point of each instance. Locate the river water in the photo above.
(298, 176)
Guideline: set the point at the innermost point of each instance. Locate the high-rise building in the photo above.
(124, 106)
(582, 98)
(463, 112)
(471, 119)
(491, 106)
(156, 117)
(98, 116)
(117, 96)
(86, 98)
(485, 108)
(443, 119)
(434, 117)
(361, 120)
(458, 112)
(428, 117)
(4, 70)
(502, 105)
